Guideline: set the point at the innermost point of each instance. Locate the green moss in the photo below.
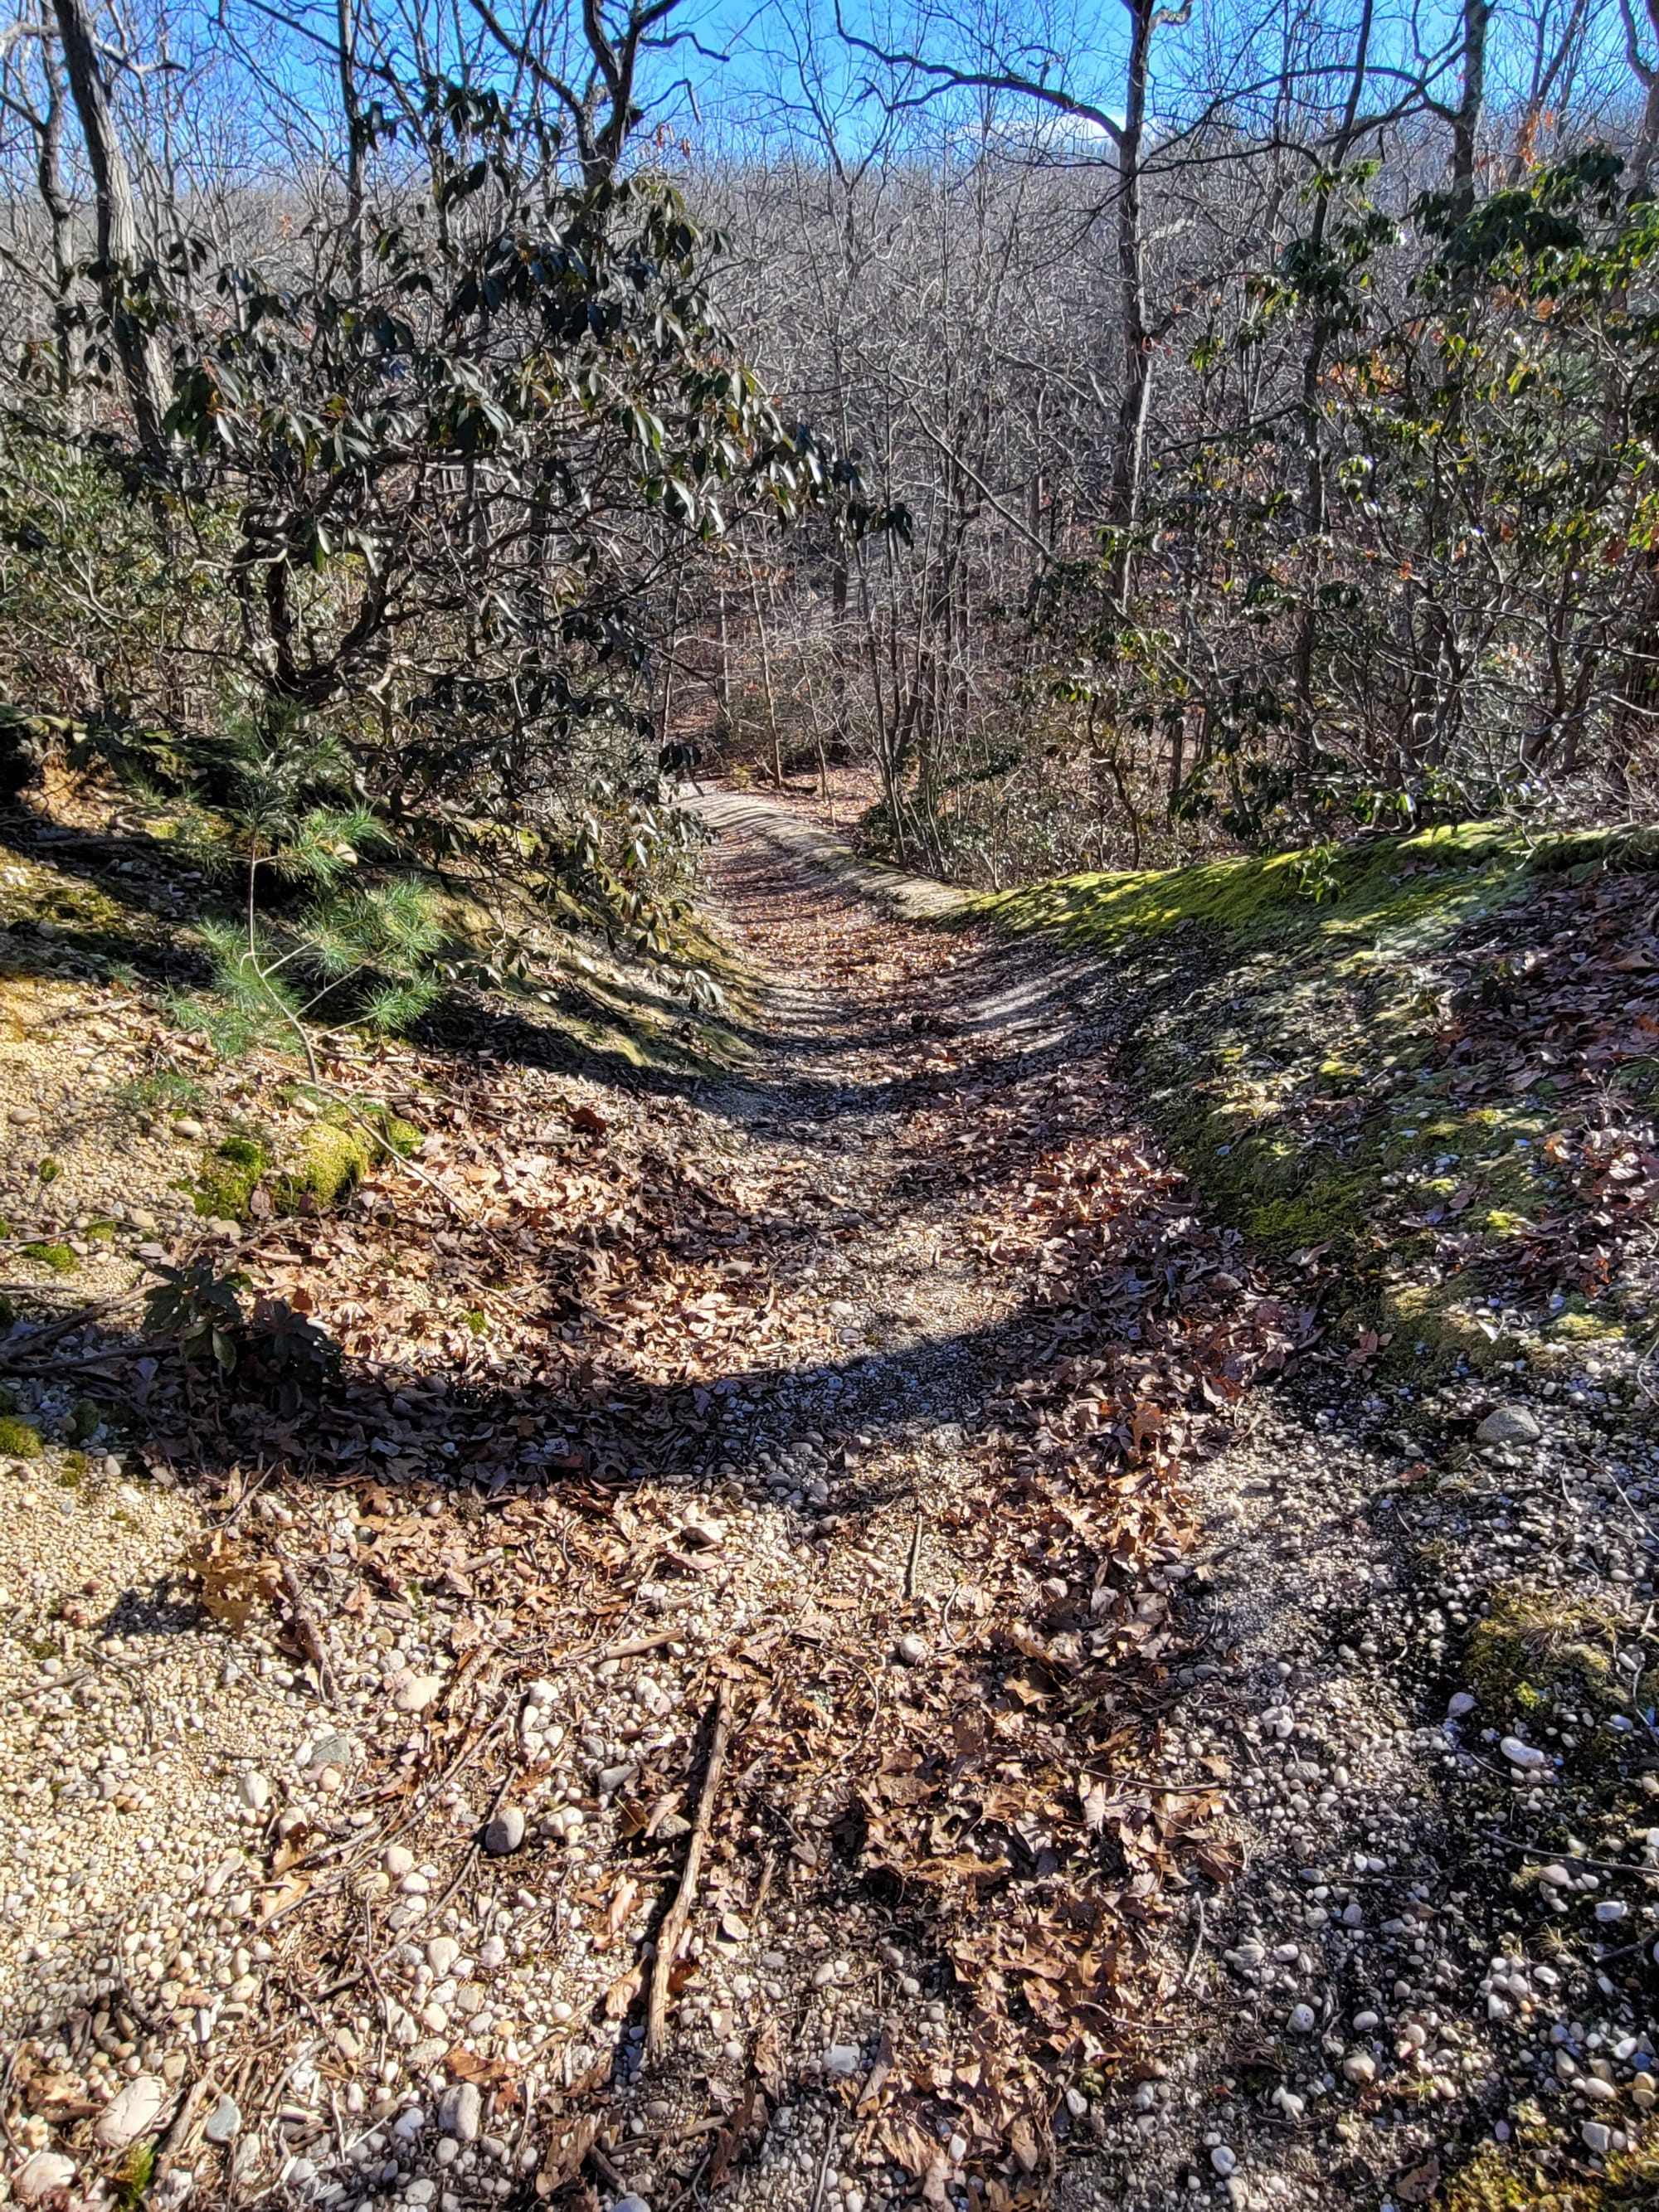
(476, 1321)
(402, 1136)
(1388, 883)
(334, 1161)
(1326, 1213)
(228, 1181)
(100, 1232)
(136, 2176)
(1289, 1049)
(19, 1439)
(1500, 2179)
(57, 1257)
(1534, 1643)
(1435, 1327)
(1578, 1322)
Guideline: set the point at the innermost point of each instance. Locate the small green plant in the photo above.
(199, 1308)
(288, 1356)
(1315, 874)
(48, 1170)
(1534, 1644)
(229, 1031)
(164, 1089)
(19, 1439)
(354, 951)
(136, 2176)
(476, 1321)
(278, 1350)
(57, 1257)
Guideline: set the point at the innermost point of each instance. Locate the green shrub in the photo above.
(19, 1439)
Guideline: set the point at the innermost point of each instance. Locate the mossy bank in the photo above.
(1344, 1047)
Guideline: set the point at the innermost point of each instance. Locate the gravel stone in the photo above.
(40, 2175)
(132, 2112)
(224, 2123)
(505, 1832)
(1509, 1425)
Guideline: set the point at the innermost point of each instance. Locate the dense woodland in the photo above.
(1130, 436)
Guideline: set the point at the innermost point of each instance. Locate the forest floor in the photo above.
(821, 1635)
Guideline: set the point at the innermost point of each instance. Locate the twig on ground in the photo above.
(824, 2163)
(678, 1915)
(309, 1635)
(12, 1355)
(1198, 1945)
(173, 2143)
(472, 1849)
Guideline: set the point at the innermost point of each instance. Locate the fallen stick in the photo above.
(309, 1634)
(914, 1559)
(680, 1913)
(173, 2143)
(470, 1855)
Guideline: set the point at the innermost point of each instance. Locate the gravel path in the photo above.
(1104, 1816)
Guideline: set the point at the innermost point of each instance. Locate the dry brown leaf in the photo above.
(619, 1997)
(567, 2147)
(1419, 2185)
(234, 1582)
(467, 2066)
(767, 2059)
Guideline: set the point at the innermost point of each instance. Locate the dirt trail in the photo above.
(1363, 1993)
(1086, 1833)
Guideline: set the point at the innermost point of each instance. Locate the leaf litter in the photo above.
(838, 1414)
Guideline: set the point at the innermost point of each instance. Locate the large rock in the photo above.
(412, 1693)
(46, 2171)
(132, 2113)
(1509, 1425)
(224, 2122)
(505, 1832)
(1522, 1754)
(461, 2113)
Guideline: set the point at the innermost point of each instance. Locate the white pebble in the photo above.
(46, 2171)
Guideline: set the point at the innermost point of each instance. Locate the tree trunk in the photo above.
(60, 217)
(346, 33)
(1129, 458)
(1647, 76)
(118, 230)
(1313, 371)
(1465, 121)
